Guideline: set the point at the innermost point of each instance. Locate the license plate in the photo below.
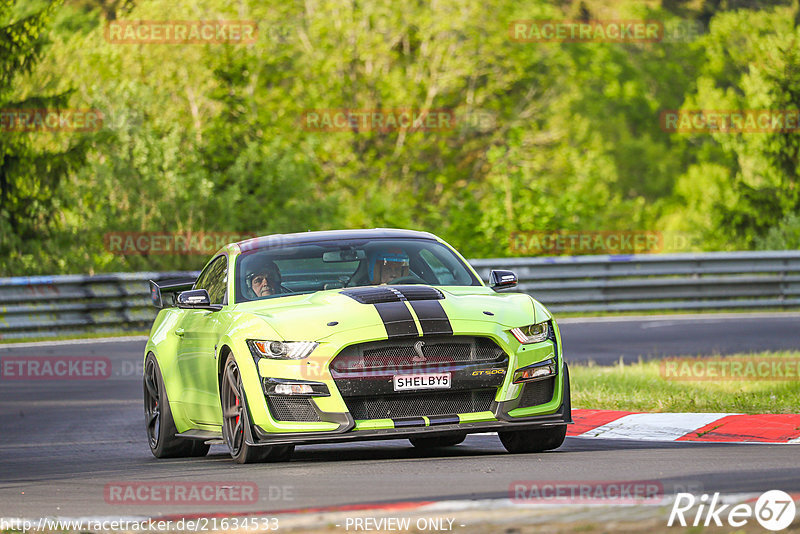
(422, 381)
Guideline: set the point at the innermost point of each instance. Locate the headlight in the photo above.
(282, 350)
(534, 333)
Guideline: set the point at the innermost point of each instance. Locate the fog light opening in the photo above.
(293, 389)
(535, 372)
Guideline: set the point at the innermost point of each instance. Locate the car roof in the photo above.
(283, 240)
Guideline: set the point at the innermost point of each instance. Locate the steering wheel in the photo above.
(285, 289)
(408, 279)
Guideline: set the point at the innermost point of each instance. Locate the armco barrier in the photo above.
(44, 306)
(711, 280)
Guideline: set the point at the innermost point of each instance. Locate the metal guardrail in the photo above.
(711, 280)
(44, 306)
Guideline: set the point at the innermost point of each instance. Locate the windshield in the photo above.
(275, 272)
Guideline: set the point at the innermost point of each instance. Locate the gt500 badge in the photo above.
(489, 372)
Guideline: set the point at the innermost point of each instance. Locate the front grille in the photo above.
(292, 409)
(536, 393)
(419, 404)
(437, 350)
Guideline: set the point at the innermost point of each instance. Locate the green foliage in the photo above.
(751, 63)
(31, 171)
(555, 136)
(784, 236)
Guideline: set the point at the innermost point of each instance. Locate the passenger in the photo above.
(388, 266)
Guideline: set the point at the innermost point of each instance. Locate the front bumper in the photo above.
(429, 426)
(561, 417)
(333, 418)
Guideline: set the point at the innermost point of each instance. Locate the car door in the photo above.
(200, 331)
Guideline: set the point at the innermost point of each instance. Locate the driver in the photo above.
(387, 266)
(264, 279)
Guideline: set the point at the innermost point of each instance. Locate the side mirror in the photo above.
(502, 279)
(196, 299)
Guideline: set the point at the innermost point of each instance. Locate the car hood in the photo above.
(312, 317)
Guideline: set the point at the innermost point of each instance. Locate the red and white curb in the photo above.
(703, 427)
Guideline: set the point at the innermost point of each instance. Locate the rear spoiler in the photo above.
(170, 290)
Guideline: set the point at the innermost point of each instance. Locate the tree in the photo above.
(752, 178)
(31, 168)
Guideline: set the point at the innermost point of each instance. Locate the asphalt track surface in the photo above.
(63, 441)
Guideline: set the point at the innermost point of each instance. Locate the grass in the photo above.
(65, 336)
(641, 387)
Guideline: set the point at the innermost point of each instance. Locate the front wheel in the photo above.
(537, 440)
(158, 419)
(236, 422)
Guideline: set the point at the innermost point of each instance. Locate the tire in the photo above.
(236, 420)
(159, 424)
(436, 442)
(537, 440)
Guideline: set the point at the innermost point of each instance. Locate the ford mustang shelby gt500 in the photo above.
(325, 337)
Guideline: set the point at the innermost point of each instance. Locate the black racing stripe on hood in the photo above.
(389, 301)
(432, 317)
(397, 319)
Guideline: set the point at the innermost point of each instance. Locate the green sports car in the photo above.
(325, 337)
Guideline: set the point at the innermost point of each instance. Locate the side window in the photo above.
(214, 279)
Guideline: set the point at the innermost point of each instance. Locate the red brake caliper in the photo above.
(238, 416)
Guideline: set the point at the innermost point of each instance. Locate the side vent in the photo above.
(372, 295)
(380, 294)
(419, 292)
